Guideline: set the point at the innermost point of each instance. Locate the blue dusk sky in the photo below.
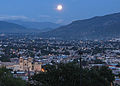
(45, 10)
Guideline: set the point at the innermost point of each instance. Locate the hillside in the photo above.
(6, 27)
(100, 27)
(42, 26)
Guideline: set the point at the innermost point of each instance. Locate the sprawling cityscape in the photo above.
(27, 54)
(59, 42)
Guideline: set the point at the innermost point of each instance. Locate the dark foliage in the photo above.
(7, 79)
(69, 75)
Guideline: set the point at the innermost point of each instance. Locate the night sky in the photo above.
(45, 10)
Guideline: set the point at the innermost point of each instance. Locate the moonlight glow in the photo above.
(59, 7)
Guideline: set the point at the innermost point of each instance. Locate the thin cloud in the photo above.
(13, 17)
(23, 18)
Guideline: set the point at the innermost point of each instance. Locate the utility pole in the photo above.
(28, 77)
(80, 53)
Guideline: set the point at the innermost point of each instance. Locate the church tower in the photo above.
(21, 63)
(30, 63)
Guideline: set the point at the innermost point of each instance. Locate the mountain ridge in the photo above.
(7, 27)
(42, 26)
(99, 27)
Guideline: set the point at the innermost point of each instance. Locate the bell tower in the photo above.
(21, 63)
(30, 63)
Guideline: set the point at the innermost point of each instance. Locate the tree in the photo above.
(69, 75)
(7, 79)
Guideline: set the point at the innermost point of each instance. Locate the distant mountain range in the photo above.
(18, 26)
(11, 27)
(41, 26)
(99, 27)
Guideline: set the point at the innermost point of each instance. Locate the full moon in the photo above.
(59, 7)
